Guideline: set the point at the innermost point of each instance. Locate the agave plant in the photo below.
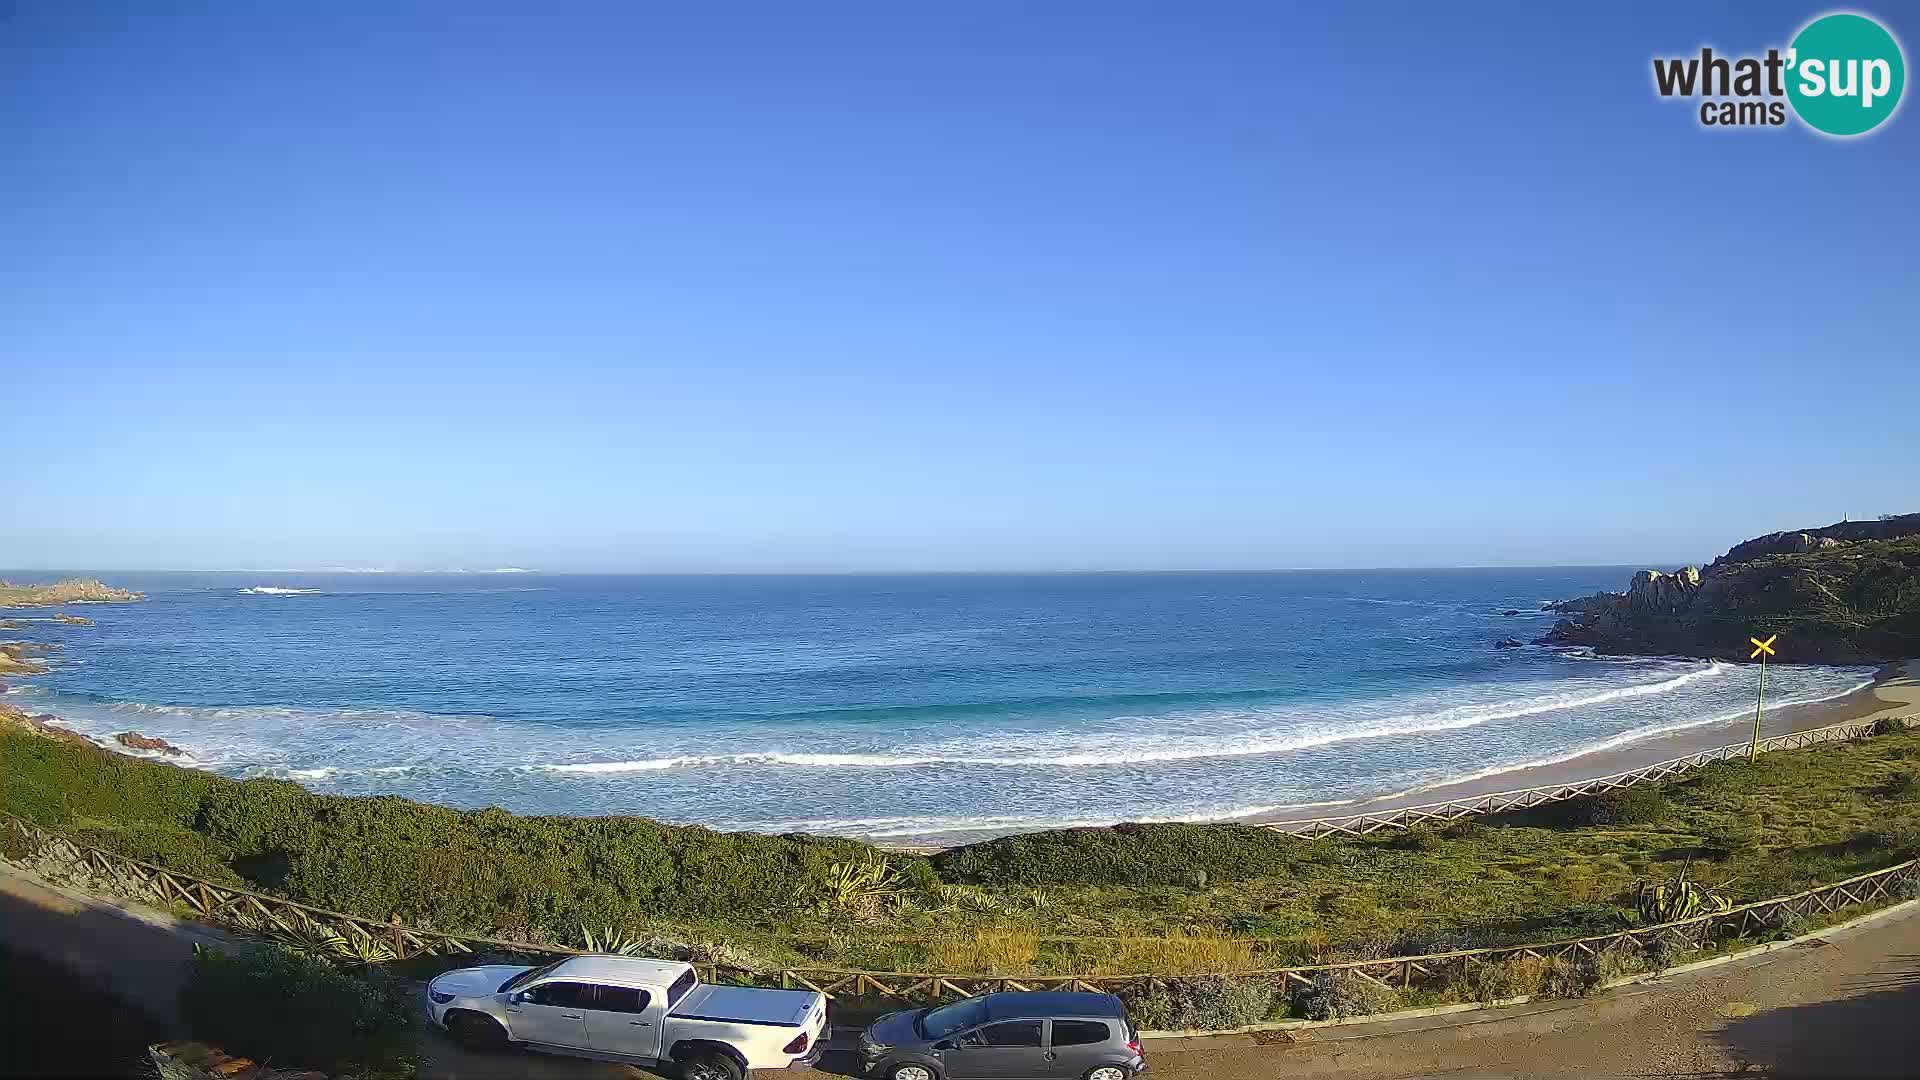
(350, 946)
(609, 939)
(1675, 899)
(860, 888)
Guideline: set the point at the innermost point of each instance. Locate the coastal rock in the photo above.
(70, 591)
(133, 740)
(1508, 643)
(1800, 542)
(1511, 611)
(72, 620)
(1654, 593)
(1843, 594)
(41, 724)
(12, 624)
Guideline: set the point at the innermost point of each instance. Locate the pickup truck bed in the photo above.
(740, 1005)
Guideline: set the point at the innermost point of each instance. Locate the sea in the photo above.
(911, 709)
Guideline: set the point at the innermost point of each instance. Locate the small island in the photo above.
(70, 591)
(1843, 594)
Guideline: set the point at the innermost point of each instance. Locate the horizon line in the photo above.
(1027, 571)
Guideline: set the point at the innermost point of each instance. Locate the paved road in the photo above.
(1844, 1006)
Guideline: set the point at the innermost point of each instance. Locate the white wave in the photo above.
(1130, 752)
(1625, 738)
(899, 827)
(599, 767)
(275, 590)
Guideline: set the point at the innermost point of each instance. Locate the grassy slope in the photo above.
(1857, 601)
(1793, 820)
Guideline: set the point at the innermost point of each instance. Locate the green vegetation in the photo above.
(1169, 899)
(1847, 593)
(72, 590)
(295, 1012)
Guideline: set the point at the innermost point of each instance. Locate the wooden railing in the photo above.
(260, 914)
(1439, 813)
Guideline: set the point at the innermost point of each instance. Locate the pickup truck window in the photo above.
(562, 995)
(680, 987)
(529, 975)
(622, 999)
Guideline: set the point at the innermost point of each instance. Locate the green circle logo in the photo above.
(1845, 74)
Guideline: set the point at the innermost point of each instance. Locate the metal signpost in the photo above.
(1761, 650)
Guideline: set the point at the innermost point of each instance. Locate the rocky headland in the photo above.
(70, 591)
(1843, 594)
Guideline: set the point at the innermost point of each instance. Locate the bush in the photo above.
(1901, 785)
(432, 866)
(1416, 840)
(1498, 980)
(1336, 995)
(294, 1013)
(1165, 854)
(1641, 805)
(1200, 1003)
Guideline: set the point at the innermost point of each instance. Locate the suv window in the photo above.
(680, 987)
(562, 995)
(1079, 1032)
(1011, 1033)
(622, 999)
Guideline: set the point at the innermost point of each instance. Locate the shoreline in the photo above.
(1894, 691)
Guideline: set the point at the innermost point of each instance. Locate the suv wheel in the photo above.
(712, 1065)
(1107, 1072)
(911, 1071)
(479, 1032)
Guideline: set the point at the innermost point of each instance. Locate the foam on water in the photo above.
(901, 708)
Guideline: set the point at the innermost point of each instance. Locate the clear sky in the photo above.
(983, 285)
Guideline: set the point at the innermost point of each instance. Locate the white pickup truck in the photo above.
(623, 1008)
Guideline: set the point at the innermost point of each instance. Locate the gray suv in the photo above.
(1012, 1036)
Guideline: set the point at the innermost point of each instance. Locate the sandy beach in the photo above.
(1895, 691)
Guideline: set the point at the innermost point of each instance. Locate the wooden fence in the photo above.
(1439, 813)
(263, 915)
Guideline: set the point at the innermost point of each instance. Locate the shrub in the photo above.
(1165, 854)
(1330, 995)
(1200, 1003)
(1497, 980)
(296, 1013)
(1901, 785)
(1579, 978)
(1416, 840)
(432, 866)
(1641, 805)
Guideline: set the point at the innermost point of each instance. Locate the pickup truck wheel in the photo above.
(712, 1065)
(479, 1032)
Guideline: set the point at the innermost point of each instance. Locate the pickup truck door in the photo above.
(553, 1013)
(1008, 1050)
(624, 1021)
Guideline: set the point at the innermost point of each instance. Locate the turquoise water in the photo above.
(900, 707)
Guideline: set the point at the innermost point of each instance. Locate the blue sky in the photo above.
(910, 286)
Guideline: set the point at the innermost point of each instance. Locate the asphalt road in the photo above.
(1847, 1005)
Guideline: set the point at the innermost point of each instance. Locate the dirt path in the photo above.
(1839, 1006)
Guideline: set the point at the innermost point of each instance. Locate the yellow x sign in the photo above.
(1762, 646)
